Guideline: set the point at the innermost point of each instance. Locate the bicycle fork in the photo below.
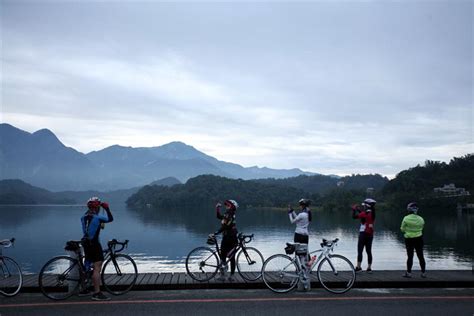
(249, 260)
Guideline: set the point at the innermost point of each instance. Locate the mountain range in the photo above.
(42, 160)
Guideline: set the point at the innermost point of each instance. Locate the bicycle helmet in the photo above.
(412, 207)
(369, 202)
(304, 202)
(232, 203)
(93, 202)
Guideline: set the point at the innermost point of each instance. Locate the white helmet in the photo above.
(232, 203)
(93, 202)
(369, 202)
(304, 202)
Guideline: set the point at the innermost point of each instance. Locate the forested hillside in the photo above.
(418, 183)
(19, 192)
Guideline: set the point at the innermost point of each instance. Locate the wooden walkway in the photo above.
(377, 279)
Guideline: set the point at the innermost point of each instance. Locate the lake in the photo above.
(161, 239)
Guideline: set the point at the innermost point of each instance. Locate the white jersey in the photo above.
(302, 222)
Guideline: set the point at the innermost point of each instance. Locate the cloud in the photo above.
(273, 85)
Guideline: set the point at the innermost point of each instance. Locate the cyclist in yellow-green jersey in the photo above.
(412, 229)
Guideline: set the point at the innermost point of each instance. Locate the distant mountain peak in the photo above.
(45, 133)
(45, 136)
(178, 145)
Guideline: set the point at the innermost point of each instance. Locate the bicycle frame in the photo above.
(325, 250)
(325, 254)
(241, 245)
(111, 251)
(108, 253)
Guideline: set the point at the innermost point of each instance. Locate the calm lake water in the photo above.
(161, 239)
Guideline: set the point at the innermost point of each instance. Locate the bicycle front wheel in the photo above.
(202, 264)
(280, 273)
(59, 278)
(336, 274)
(250, 263)
(10, 276)
(119, 274)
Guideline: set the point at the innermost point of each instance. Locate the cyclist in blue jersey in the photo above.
(92, 222)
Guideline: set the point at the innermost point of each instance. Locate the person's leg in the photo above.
(360, 249)
(302, 239)
(410, 249)
(368, 249)
(419, 253)
(232, 245)
(225, 248)
(96, 276)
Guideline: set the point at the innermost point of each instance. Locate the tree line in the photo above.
(326, 192)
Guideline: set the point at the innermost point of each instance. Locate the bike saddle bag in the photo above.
(72, 245)
(290, 249)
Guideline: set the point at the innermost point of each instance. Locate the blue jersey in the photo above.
(91, 224)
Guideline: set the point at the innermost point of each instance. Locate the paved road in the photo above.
(254, 302)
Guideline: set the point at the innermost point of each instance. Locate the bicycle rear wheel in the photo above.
(250, 263)
(202, 264)
(60, 277)
(119, 274)
(11, 278)
(336, 274)
(280, 273)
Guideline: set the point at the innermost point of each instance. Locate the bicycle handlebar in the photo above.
(114, 242)
(327, 243)
(245, 238)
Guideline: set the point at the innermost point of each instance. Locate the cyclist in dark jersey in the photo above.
(92, 222)
(229, 233)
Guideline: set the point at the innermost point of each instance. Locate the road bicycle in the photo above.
(281, 273)
(64, 276)
(11, 278)
(203, 263)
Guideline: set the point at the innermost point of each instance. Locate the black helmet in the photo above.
(412, 207)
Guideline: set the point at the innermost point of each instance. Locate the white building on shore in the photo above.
(450, 190)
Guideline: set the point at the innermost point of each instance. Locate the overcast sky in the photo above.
(334, 87)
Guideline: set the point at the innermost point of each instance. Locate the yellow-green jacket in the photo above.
(412, 226)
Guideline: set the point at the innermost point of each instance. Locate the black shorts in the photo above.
(93, 251)
(303, 239)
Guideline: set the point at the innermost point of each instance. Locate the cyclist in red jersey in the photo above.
(366, 214)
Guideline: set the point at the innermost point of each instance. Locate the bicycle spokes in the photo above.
(202, 264)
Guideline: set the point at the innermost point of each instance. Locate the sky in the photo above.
(333, 87)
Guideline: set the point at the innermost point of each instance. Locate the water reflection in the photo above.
(160, 239)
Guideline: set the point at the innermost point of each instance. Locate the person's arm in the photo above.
(109, 218)
(403, 226)
(355, 211)
(218, 211)
(294, 218)
(227, 222)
